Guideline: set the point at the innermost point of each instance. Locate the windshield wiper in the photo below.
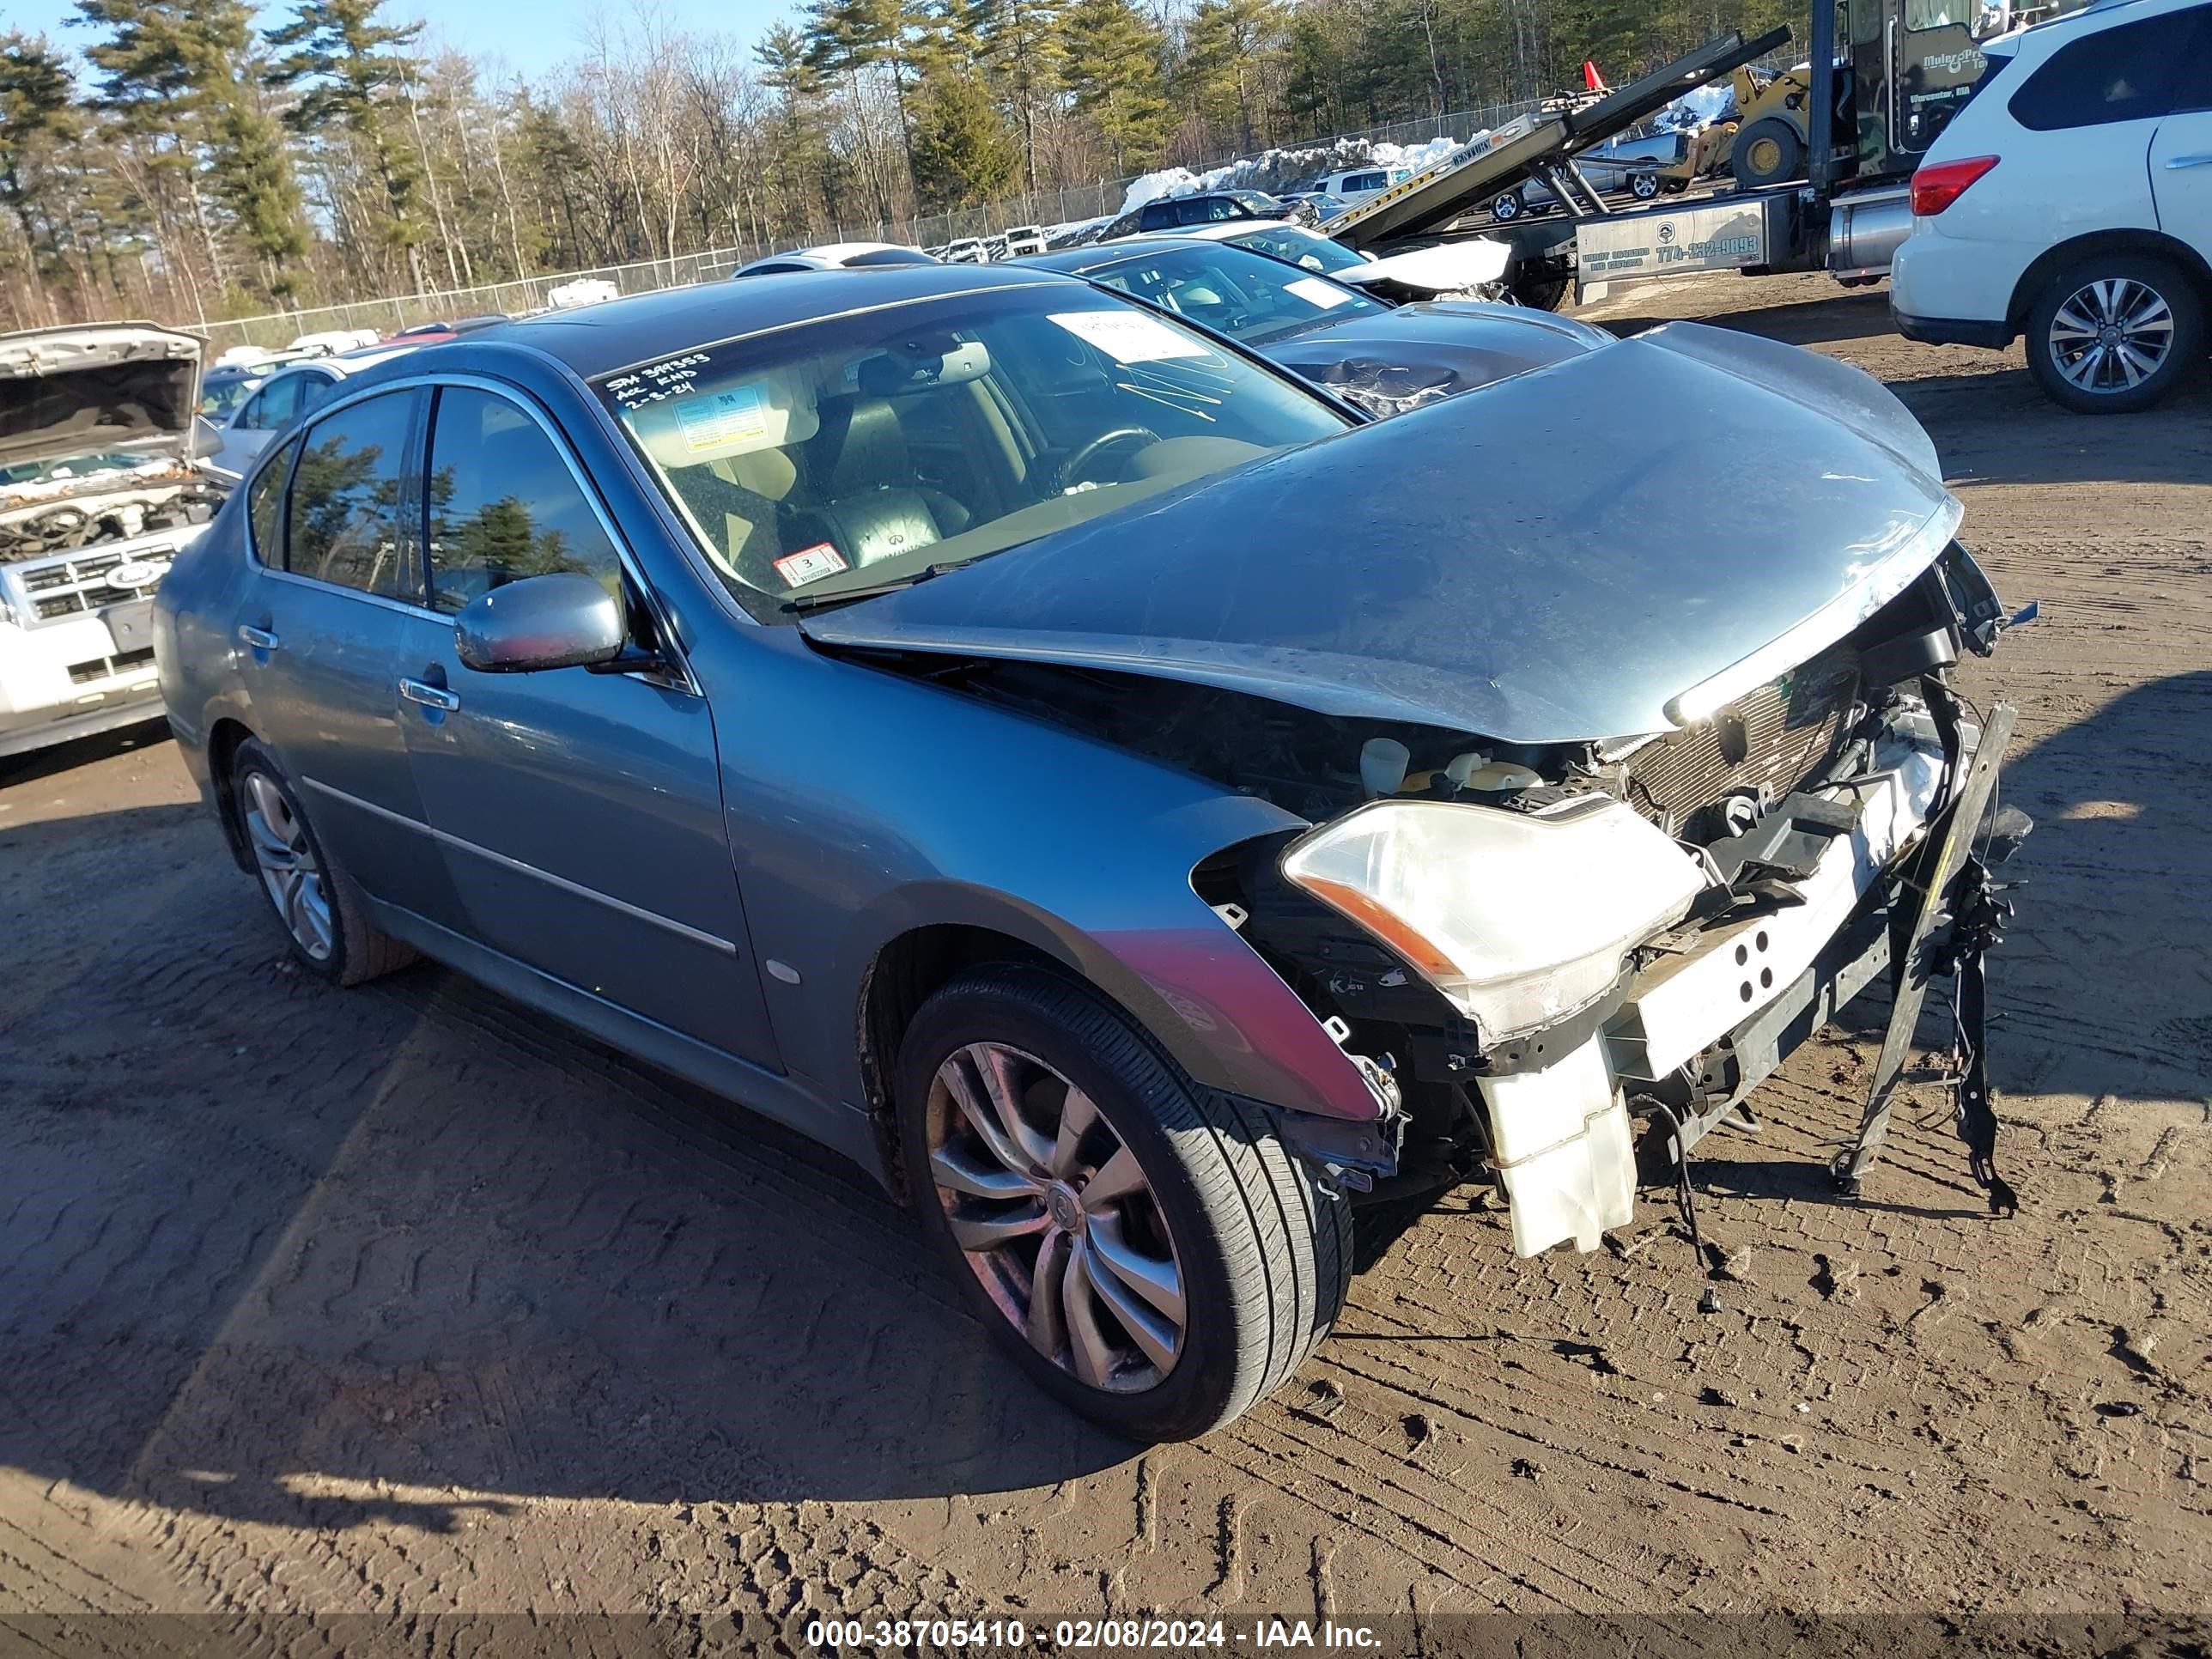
(798, 602)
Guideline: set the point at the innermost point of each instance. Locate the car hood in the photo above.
(1446, 268)
(1558, 559)
(1392, 361)
(98, 389)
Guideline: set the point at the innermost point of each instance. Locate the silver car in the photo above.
(1136, 807)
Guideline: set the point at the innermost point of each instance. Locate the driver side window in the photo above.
(503, 503)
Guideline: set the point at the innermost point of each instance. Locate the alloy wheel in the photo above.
(287, 862)
(1047, 1201)
(2111, 335)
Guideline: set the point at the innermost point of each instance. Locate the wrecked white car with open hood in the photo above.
(97, 494)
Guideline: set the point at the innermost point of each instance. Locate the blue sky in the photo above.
(529, 36)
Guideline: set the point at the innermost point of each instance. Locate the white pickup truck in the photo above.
(98, 492)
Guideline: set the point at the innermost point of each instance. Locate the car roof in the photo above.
(595, 340)
(1222, 229)
(1100, 255)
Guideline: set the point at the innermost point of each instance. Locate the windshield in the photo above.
(1312, 253)
(1246, 296)
(222, 393)
(861, 449)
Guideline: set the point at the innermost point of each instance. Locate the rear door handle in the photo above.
(430, 696)
(259, 638)
(2174, 162)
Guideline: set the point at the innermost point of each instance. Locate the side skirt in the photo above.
(843, 1129)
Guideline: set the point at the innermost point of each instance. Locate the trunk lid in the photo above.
(1555, 559)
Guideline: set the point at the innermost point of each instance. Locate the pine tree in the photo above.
(1024, 55)
(1113, 70)
(963, 155)
(1229, 44)
(185, 73)
(39, 122)
(350, 71)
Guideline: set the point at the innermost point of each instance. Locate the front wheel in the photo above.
(1643, 187)
(1767, 152)
(1508, 207)
(1151, 1254)
(2114, 333)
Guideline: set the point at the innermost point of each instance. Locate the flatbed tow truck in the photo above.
(1884, 75)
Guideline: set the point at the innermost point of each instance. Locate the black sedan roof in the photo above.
(595, 340)
(1079, 261)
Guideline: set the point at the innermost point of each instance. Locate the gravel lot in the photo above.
(406, 1301)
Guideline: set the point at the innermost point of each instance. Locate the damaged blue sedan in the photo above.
(1137, 807)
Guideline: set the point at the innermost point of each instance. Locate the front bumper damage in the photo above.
(1888, 886)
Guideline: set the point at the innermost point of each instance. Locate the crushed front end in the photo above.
(1557, 952)
(98, 493)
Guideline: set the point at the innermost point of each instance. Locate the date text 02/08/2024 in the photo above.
(1080, 1635)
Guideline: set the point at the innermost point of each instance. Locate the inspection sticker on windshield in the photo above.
(1314, 291)
(1129, 336)
(727, 416)
(809, 564)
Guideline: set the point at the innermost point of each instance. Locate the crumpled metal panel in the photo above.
(1554, 559)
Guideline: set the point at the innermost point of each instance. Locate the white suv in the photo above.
(2071, 202)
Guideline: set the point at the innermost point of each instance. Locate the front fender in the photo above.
(870, 804)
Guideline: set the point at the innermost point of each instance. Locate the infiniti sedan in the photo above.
(1130, 804)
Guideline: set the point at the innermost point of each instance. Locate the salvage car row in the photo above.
(1033, 729)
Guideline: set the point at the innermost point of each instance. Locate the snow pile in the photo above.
(1700, 107)
(1278, 169)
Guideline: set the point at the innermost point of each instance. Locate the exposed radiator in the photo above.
(1765, 743)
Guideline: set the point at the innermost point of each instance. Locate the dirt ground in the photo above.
(406, 1301)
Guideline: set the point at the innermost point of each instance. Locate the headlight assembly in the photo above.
(1520, 919)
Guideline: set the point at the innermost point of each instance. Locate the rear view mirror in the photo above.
(564, 620)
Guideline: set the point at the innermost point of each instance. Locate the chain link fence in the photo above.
(1076, 203)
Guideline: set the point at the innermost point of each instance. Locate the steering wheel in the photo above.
(1071, 470)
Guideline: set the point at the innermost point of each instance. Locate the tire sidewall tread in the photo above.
(2171, 283)
(1262, 1248)
(360, 951)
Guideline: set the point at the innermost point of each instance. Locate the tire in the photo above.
(1509, 207)
(2154, 308)
(1766, 152)
(1258, 1252)
(320, 909)
(1643, 187)
(1540, 292)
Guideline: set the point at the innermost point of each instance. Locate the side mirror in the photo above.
(564, 620)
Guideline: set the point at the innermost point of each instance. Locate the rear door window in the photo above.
(2125, 73)
(343, 522)
(264, 506)
(271, 407)
(2192, 87)
(314, 389)
(503, 503)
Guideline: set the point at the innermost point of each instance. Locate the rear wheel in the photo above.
(1644, 185)
(1149, 1252)
(1766, 152)
(2114, 333)
(320, 909)
(1509, 206)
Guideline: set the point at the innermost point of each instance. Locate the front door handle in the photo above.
(2174, 162)
(430, 696)
(259, 638)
